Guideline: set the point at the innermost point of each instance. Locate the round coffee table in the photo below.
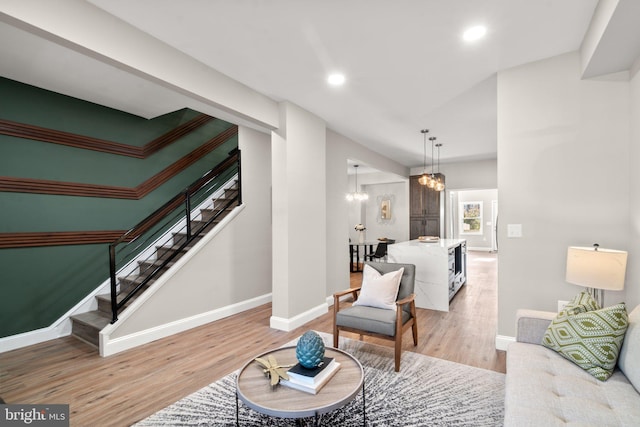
(254, 390)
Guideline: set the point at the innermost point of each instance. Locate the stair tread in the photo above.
(95, 319)
(134, 279)
(228, 208)
(107, 297)
(87, 325)
(155, 262)
(174, 247)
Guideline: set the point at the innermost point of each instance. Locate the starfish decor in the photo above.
(273, 370)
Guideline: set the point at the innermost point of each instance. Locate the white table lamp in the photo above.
(596, 269)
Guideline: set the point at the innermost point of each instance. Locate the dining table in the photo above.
(368, 248)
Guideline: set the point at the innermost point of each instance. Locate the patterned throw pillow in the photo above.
(590, 339)
(582, 303)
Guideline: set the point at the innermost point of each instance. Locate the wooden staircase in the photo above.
(87, 326)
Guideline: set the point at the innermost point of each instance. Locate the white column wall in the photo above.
(633, 266)
(563, 173)
(299, 212)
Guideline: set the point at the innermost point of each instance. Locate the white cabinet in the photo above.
(441, 269)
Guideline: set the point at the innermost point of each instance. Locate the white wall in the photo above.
(231, 268)
(563, 173)
(379, 185)
(397, 227)
(339, 150)
(218, 94)
(633, 263)
(300, 217)
(479, 174)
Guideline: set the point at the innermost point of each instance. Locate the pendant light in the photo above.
(431, 180)
(439, 183)
(424, 178)
(357, 195)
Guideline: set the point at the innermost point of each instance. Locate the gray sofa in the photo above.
(545, 389)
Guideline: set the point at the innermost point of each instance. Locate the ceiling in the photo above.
(406, 65)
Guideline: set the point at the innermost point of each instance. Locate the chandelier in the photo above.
(357, 195)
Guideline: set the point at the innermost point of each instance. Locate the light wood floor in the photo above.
(127, 387)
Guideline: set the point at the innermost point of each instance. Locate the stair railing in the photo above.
(127, 248)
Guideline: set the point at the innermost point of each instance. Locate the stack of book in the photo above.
(311, 380)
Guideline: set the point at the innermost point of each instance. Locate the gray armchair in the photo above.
(377, 322)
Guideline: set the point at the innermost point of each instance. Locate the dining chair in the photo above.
(380, 253)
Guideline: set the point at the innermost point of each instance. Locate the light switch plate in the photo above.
(514, 230)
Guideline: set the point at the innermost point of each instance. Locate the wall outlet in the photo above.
(561, 305)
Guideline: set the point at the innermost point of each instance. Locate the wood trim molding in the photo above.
(52, 238)
(175, 134)
(26, 131)
(163, 176)
(40, 186)
(48, 238)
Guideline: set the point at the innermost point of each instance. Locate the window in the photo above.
(471, 218)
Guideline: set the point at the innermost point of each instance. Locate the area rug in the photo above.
(426, 392)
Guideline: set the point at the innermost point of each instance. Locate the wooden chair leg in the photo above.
(336, 332)
(414, 329)
(398, 350)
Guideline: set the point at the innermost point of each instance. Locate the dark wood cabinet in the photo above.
(423, 227)
(424, 209)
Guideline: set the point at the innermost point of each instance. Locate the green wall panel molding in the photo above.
(40, 160)
(28, 104)
(43, 212)
(39, 285)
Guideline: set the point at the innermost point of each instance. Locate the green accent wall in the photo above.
(38, 285)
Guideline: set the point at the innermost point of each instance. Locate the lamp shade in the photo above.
(598, 269)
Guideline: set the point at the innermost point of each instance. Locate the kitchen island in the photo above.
(441, 269)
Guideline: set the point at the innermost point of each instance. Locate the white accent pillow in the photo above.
(378, 290)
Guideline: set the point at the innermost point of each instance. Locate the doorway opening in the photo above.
(473, 215)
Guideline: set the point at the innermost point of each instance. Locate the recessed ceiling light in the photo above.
(336, 79)
(474, 33)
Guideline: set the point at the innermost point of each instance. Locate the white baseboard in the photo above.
(62, 326)
(109, 346)
(503, 341)
(58, 329)
(34, 337)
(478, 249)
(290, 324)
